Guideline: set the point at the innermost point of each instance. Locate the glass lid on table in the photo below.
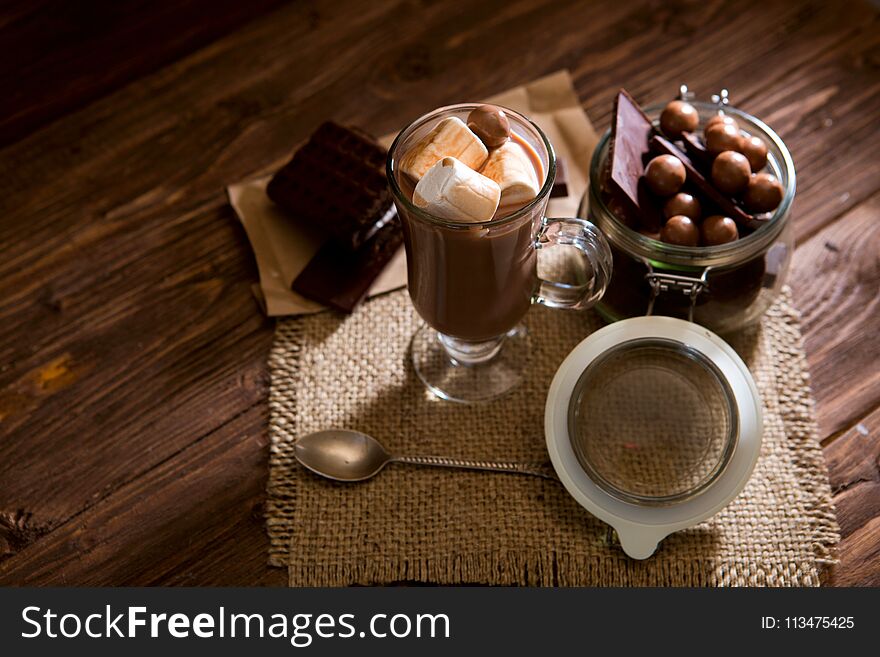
(652, 421)
(653, 424)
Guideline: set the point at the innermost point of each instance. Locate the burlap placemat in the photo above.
(449, 527)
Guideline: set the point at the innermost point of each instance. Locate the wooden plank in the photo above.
(123, 387)
(369, 74)
(854, 470)
(68, 54)
(127, 332)
(836, 282)
(196, 518)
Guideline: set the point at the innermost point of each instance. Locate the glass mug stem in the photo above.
(470, 353)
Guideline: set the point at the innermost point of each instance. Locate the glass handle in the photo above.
(594, 270)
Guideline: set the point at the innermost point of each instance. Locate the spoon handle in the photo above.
(534, 469)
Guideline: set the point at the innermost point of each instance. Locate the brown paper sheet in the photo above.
(283, 248)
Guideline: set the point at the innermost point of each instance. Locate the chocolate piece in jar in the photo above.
(665, 174)
(680, 230)
(755, 150)
(763, 193)
(677, 117)
(630, 131)
(717, 230)
(490, 124)
(335, 182)
(684, 204)
(730, 172)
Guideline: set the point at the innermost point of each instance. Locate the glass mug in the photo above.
(472, 282)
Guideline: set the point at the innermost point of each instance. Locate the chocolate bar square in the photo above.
(337, 182)
(340, 278)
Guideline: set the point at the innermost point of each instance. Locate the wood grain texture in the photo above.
(57, 51)
(841, 315)
(132, 355)
(854, 466)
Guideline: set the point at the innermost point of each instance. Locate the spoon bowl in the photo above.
(341, 454)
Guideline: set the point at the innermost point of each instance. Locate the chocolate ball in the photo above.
(720, 119)
(718, 230)
(763, 194)
(680, 230)
(490, 124)
(723, 137)
(730, 172)
(665, 175)
(682, 203)
(677, 117)
(755, 151)
(654, 235)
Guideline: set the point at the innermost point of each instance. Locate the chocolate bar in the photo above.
(337, 182)
(560, 184)
(340, 278)
(695, 150)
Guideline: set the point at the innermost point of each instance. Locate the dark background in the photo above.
(133, 376)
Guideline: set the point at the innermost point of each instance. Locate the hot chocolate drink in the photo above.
(468, 279)
(471, 184)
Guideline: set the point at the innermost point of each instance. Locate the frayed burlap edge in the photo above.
(281, 489)
(796, 410)
(552, 569)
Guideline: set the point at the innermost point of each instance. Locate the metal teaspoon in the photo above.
(346, 455)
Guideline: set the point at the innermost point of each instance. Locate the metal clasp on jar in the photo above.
(690, 286)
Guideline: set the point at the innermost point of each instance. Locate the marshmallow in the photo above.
(451, 190)
(511, 168)
(449, 138)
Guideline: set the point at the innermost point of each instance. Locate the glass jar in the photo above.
(724, 287)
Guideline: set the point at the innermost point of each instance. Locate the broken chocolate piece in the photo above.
(630, 132)
(725, 204)
(696, 150)
(560, 185)
(339, 278)
(337, 182)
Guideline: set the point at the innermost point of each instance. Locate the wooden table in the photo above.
(133, 382)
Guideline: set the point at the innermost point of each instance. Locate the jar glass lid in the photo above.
(652, 421)
(653, 424)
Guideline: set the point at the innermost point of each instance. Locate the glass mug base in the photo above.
(470, 372)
